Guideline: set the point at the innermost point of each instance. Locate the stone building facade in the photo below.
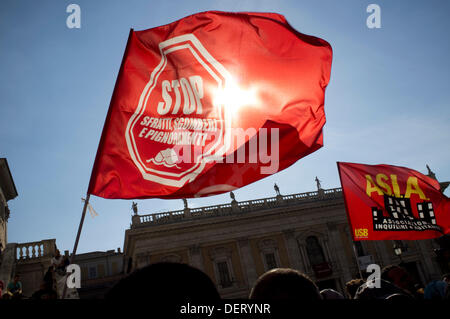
(31, 262)
(237, 242)
(100, 270)
(7, 192)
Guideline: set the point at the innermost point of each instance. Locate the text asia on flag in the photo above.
(386, 202)
(210, 103)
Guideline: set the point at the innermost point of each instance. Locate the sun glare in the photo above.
(234, 97)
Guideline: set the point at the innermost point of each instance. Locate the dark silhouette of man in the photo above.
(165, 282)
(285, 284)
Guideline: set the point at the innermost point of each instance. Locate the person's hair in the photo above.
(352, 286)
(331, 294)
(285, 283)
(399, 297)
(385, 272)
(165, 282)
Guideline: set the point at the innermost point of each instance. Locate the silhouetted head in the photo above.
(399, 277)
(165, 282)
(435, 290)
(399, 297)
(446, 278)
(352, 286)
(285, 283)
(366, 291)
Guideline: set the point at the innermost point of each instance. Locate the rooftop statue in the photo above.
(319, 186)
(277, 189)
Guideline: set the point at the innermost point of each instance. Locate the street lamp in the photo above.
(398, 251)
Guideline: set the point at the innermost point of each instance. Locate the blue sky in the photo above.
(387, 101)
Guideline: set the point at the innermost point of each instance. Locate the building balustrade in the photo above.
(35, 250)
(236, 208)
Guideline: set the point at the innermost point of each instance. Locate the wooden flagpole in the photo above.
(83, 215)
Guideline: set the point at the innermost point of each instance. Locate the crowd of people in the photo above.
(13, 289)
(180, 282)
(47, 288)
(57, 269)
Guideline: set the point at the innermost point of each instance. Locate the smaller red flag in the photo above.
(386, 202)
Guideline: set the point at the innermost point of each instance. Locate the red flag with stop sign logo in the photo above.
(210, 103)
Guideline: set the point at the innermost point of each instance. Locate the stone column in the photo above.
(307, 268)
(427, 261)
(338, 251)
(279, 199)
(380, 248)
(234, 206)
(293, 250)
(135, 220)
(195, 257)
(141, 260)
(8, 263)
(247, 261)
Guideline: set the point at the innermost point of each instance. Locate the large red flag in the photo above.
(386, 202)
(210, 103)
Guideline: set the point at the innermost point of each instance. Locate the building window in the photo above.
(84, 273)
(269, 253)
(271, 261)
(314, 251)
(224, 274)
(92, 272)
(114, 268)
(101, 270)
(223, 266)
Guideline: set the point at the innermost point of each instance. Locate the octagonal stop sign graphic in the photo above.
(178, 128)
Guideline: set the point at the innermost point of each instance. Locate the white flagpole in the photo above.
(83, 215)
